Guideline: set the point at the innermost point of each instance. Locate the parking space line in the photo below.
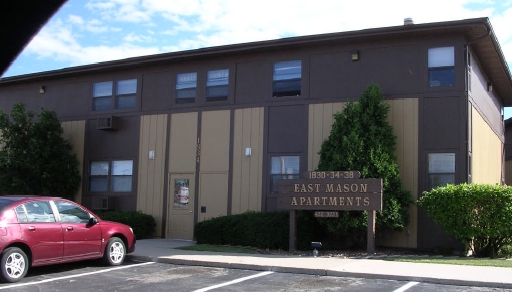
(74, 276)
(234, 281)
(406, 286)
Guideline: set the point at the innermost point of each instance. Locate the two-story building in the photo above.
(190, 135)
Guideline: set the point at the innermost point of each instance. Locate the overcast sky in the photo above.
(91, 31)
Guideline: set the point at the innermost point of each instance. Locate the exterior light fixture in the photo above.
(42, 89)
(354, 55)
(489, 86)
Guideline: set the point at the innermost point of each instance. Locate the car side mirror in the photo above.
(92, 221)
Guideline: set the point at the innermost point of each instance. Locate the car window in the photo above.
(71, 213)
(39, 211)
(22, 216)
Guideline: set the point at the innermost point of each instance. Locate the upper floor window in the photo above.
(217, 85)
(441, 66)
(125, 95)
(115, 176)
(287, 78)
(186, 84)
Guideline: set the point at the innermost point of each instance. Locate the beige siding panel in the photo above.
(403, 117)
(487, 152)
(150, 192)
(247, 180)
(183, 143)
(215, 129)
(213, 190)
(214, 165)
(321, 118)
(74, 132)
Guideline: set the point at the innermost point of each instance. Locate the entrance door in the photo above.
(180, 206)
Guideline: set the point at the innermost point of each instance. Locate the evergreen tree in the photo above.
(361, 139)
(34, 157)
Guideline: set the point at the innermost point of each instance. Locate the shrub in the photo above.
(143, 225)
(269, 230)
(478, 215)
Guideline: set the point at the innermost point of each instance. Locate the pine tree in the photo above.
(34, 157)
(361, 139)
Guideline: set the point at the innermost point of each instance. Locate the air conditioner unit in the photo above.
(100, 203)
(107, 123)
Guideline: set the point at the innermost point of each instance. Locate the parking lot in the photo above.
(139, 276)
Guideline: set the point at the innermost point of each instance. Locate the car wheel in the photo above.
(14, 264)
(114, 252)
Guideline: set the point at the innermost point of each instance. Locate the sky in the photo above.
(85, 32)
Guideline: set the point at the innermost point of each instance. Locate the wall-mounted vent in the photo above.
(100, 203)
(107, 123)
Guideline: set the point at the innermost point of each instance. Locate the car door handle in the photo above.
(31, 228)
(70, 228)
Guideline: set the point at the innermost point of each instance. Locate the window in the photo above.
(102, 96)
(283, 167)
(71, 213)
(441, 66)
(287, 78)
(217, 85)
(126, 93)
(39, 211)
(125, 97)
(119, 173)
(441, 169)
(186, 84)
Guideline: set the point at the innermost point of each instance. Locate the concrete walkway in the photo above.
(164, 251)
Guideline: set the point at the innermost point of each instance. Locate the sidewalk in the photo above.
(163, 251)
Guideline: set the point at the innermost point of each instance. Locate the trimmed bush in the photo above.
(143, 225)
(268, 230)
(478, 215)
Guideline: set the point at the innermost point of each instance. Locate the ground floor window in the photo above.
(283, 167)
(111, 176)
(441, 169)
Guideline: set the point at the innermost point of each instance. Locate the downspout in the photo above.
(469, 174)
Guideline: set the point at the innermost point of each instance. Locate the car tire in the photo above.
(115, 252)
(14, 265)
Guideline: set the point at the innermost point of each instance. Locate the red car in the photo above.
(38, 231)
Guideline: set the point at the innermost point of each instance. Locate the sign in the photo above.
(320, 214)
(327, 192)
(330, 194)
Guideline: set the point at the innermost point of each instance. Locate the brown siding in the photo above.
(151, 180)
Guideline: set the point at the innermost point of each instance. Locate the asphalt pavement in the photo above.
(164, 251)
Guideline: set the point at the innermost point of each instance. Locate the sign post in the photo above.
(328, 192)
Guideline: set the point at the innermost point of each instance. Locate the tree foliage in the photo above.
(34, 157)
(361, 139)
(478, 215)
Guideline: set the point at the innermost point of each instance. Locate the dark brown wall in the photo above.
(287, 135)
(103, 145)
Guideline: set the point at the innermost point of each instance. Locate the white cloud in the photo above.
(120, 28)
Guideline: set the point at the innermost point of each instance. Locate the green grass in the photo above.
(457, 261)
(219, 248)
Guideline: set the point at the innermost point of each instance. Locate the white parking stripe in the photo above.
(74, 276)
(234, 281)
(406, 287)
